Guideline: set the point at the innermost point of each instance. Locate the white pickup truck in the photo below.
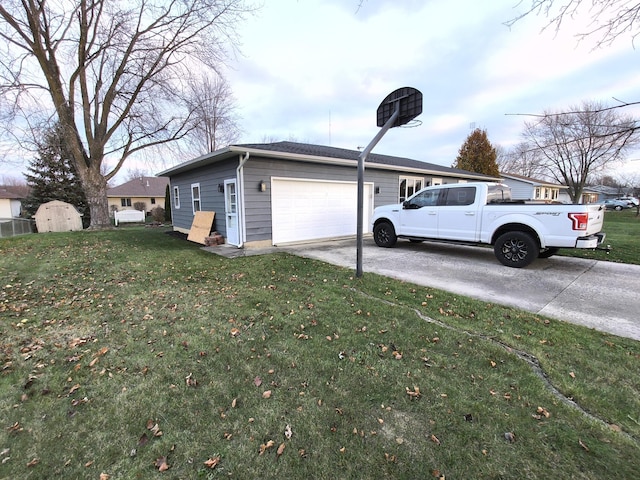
(483, 213)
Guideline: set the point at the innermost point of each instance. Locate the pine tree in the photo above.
(52, 176)
(478, 155)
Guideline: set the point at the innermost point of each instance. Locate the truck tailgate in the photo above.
(596, 219)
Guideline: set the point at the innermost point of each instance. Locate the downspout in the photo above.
(240, 187)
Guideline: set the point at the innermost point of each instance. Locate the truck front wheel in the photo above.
(384, 234)
(516, 249)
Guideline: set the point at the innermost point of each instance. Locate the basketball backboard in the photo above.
(410, 101)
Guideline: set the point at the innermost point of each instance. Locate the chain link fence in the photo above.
(10, 227)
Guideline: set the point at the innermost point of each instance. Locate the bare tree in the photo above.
(111, 72)
(609, 18)
(580, 143)
(214, 113)
(523, 159)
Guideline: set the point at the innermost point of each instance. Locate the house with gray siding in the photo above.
(525, 188)
(286, 192)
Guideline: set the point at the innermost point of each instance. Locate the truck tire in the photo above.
(384, 235)
(516, 249)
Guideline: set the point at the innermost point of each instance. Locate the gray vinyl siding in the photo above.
(256, 205)
(520, 190)
(210, 199)
(257, 211)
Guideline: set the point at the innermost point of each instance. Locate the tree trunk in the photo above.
(95, 189)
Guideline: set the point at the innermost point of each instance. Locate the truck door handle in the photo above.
(470, 214)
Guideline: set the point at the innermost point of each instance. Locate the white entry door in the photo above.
(231, 212)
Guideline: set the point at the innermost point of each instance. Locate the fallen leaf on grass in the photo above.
(101, 352)
(415, 393)
(212, 462)
(234, 332)
(154, 428)
(266, 446)
(257, 381)
(266, 394)
(142, 441)
(74, 388)
(435, 439)
(33, 463)
(16, 427)
(105, 476)
(280, 450)
(288, 433)
(161, 464)
(586, 449)
(542, 412)
(191, 382)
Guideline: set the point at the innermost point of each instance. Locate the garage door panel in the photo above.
(315, 209)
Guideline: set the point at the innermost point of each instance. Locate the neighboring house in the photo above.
(10, 203)
(148, 190)
(589, 195)
(284, 192)
(525, 188)
(602, 192)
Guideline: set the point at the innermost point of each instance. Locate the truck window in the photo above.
(427, 198)
(461, 196)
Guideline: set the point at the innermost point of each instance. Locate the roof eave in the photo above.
(224, 153)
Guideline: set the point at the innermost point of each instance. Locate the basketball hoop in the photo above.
(412, 124)
(400, 108)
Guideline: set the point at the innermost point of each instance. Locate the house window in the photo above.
(153, 201)
(409, 186)
(537, 194)
(176, 197)
(125, 202)
(195, 197)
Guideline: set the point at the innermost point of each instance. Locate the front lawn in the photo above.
(132, 354)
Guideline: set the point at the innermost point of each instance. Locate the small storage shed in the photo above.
(286, 192)
(57, 216)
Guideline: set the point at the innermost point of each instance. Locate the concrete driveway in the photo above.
(597, 294)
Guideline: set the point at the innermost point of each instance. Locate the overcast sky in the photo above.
(316, 70)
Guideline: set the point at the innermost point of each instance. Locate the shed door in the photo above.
(316, 209)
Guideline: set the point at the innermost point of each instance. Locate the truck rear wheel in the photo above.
(384, 234)
(516, 249)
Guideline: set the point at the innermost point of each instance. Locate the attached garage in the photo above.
(311, 209)
(285, 192)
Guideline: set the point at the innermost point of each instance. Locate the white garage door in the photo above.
(315, 209)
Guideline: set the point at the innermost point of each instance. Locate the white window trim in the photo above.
(194, 199)
(408, 179)
(176, 198)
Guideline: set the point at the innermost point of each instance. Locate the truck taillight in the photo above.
(579, 220)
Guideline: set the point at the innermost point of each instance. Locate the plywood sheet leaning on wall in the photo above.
(201, 226)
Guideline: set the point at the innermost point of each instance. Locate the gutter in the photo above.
(240, 192)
